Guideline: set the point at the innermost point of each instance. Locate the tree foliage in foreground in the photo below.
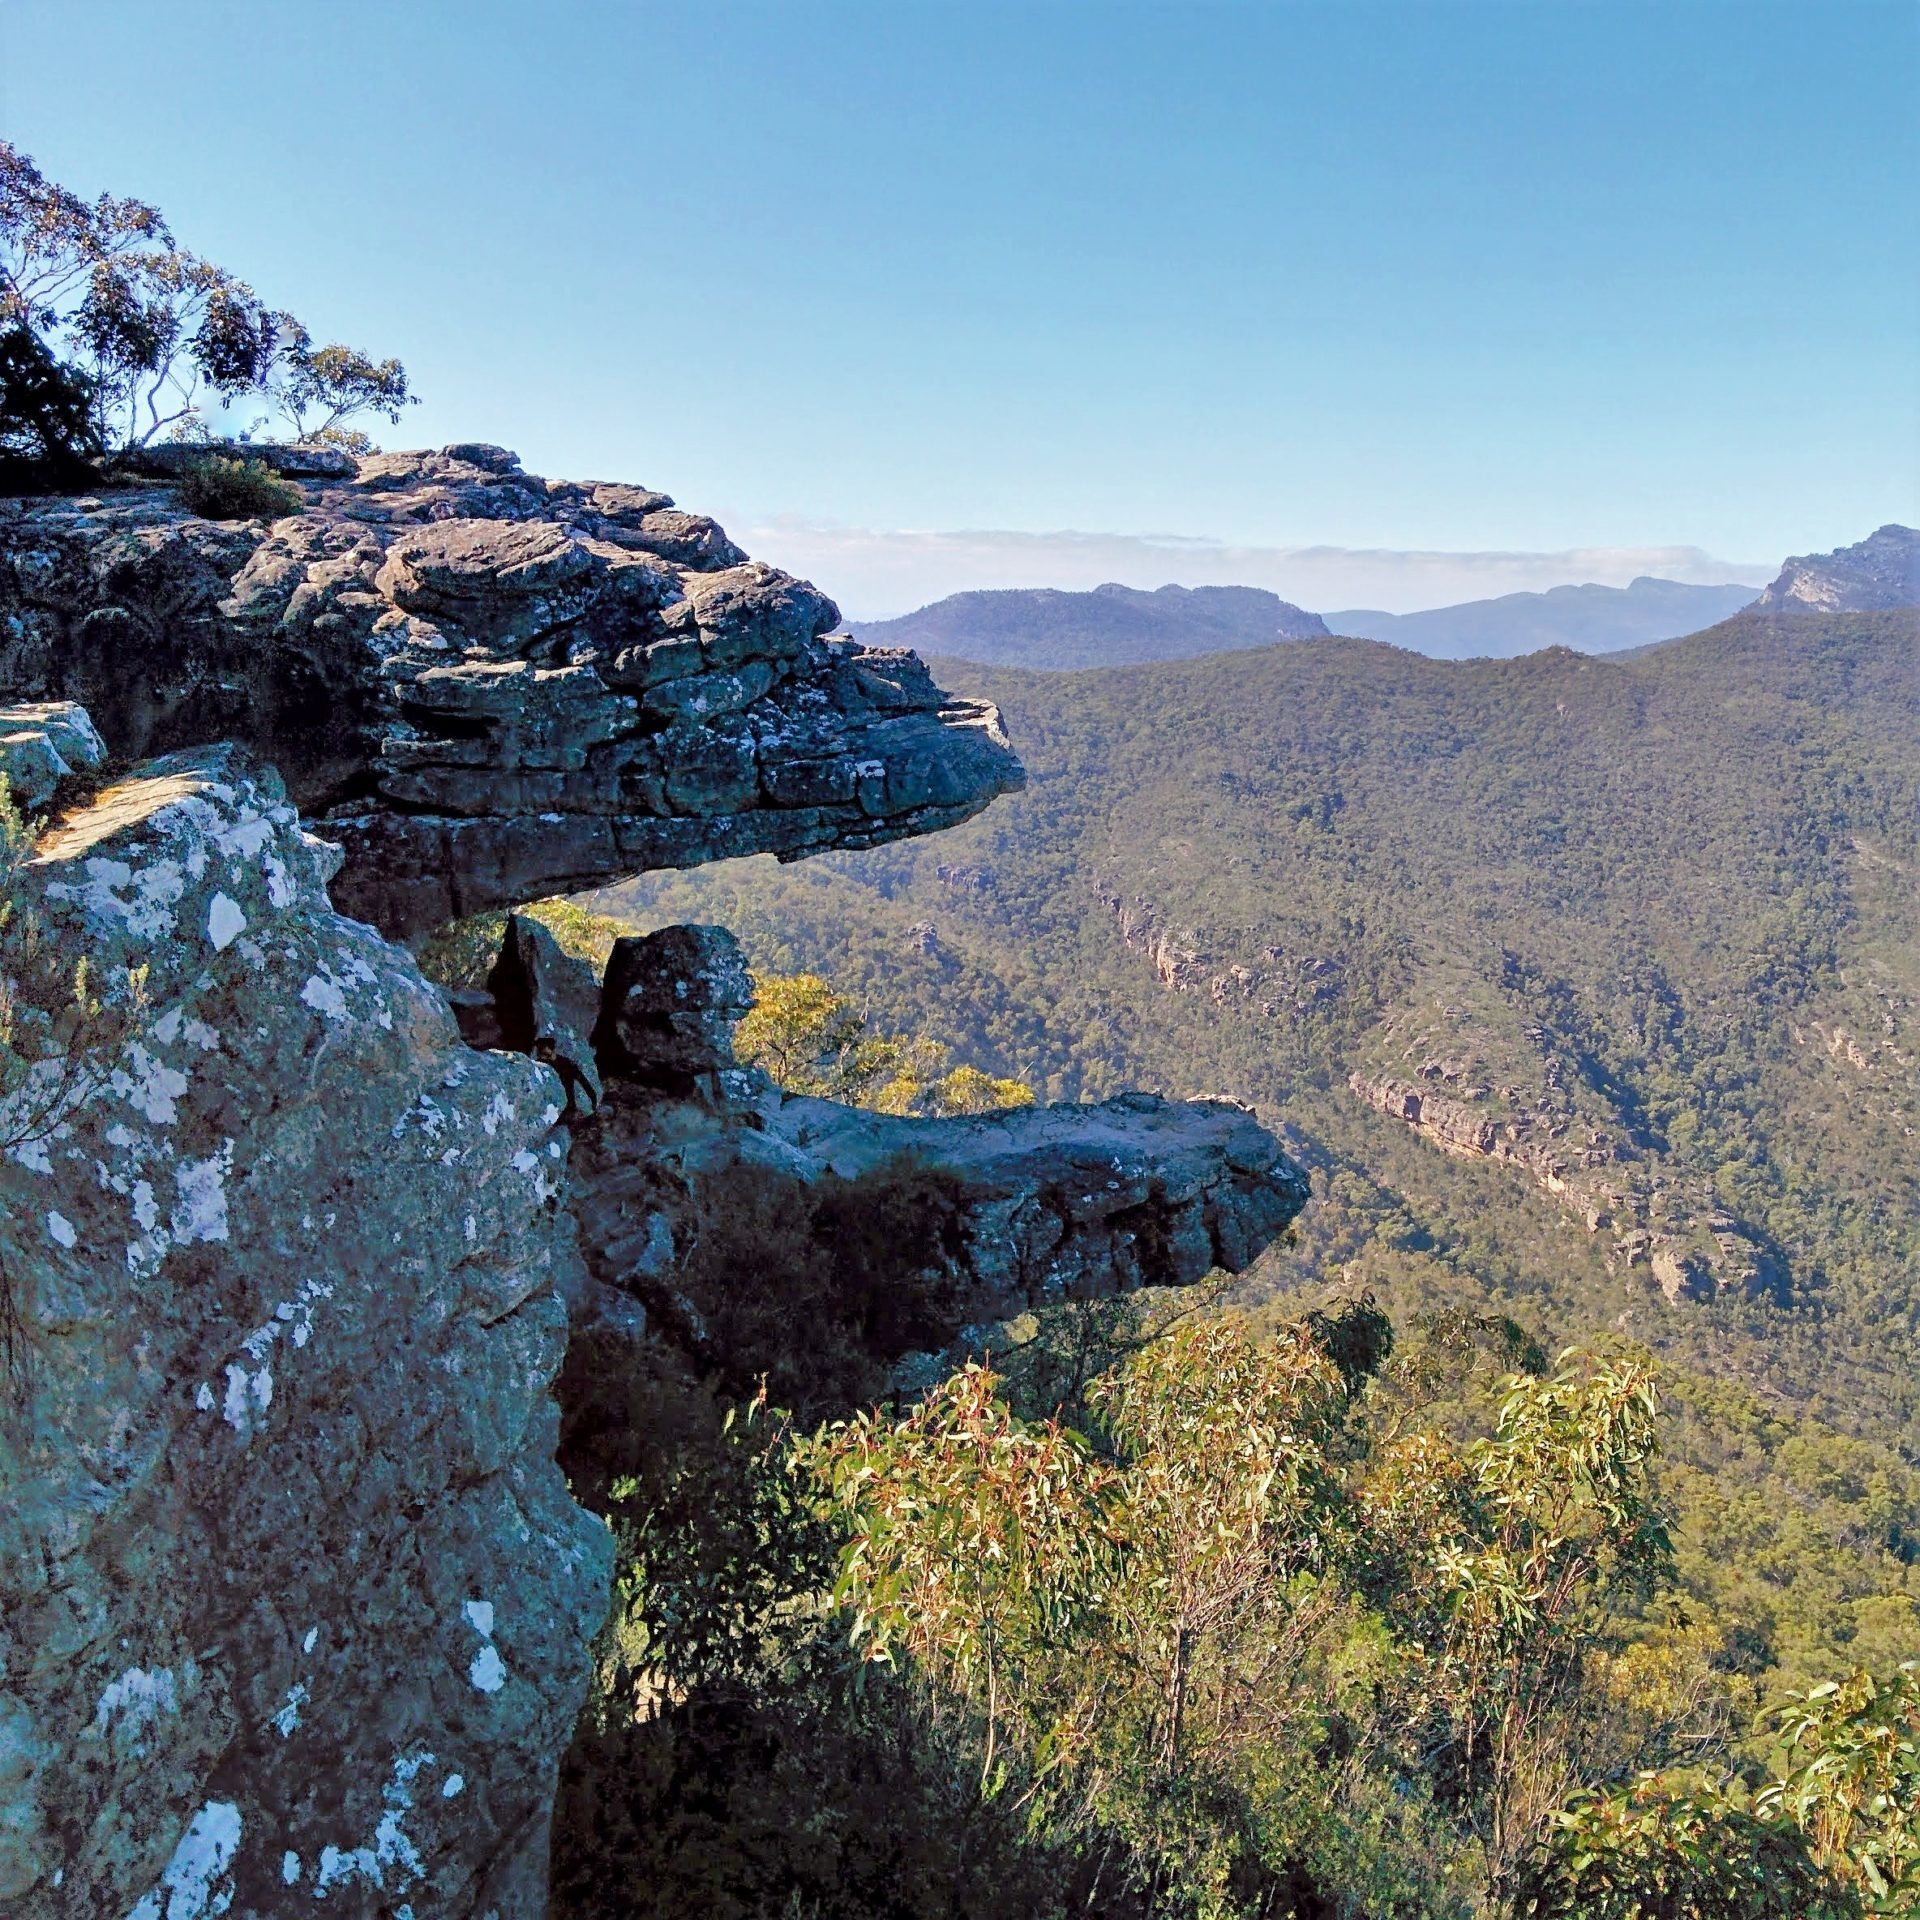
(1247, 1626)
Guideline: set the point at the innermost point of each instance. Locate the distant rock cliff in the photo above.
(1883, 570)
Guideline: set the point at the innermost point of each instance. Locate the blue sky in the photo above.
(1488, 293)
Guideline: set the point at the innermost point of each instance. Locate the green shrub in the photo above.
(1661, 1850)
(219, 488)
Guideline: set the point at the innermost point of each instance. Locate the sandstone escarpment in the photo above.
(1281, 983)
(487, 686)
(1618, 1189)
(294, 1603)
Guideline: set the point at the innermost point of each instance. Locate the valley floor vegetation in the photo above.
(1165, 1614)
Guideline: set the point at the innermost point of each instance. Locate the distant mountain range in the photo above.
(1052, 630)
(1110, 626)
(1589, 619)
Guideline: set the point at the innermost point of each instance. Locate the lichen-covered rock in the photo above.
(545, 1002)
(294, 1604)
(493, 686)
(669, 1004)
(43, 743)
(1038, 1204)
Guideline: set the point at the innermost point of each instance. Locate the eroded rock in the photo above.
(43, 743)
(294, 1604)
(1028, 1206)
(494, 687)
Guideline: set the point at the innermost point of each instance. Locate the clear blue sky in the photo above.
(1534, 276)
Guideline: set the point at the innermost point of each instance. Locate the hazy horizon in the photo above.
(874, 574)
(1376, 306)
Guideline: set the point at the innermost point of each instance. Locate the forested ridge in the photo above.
(1670, 900)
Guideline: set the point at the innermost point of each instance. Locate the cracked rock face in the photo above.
(294, 1604)
(490, 686)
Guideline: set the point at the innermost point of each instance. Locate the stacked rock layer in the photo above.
(492, 686)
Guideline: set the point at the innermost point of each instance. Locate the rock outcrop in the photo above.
(43, 744)
(1690, 1247)
(1281, 983)
(1883, 570)
(294, 1603)
(485, 686)
(1019, 1208)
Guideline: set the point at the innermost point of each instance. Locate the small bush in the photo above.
(218, 488)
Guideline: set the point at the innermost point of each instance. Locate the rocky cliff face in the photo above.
(486, 686)
(1541, 1122)
(296, 1603)
(1883, 570)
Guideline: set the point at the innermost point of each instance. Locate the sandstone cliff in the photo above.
(487, 686)
(294, 1602)
(1883, 570)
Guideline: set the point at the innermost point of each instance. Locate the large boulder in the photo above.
(492, 686)
(294, 1603)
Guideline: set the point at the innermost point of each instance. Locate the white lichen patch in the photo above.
(290, 1868)
(391, 1851)
(325, 994)
(480, 1617)
(196, 1882)
(225, 921)
(60, 1229)
(133, 1701)
(149, 1086)
(452, 1786)
(248, 1397)
(200, 1210)
(488, 1672)
(113, 895)
(287, 1716)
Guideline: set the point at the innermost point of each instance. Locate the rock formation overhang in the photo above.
(486, 686)
(1036, 1204)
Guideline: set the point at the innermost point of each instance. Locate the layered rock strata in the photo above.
(1689, 1246)
(1025, 1207)
(492, 686)
(294, 1603)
